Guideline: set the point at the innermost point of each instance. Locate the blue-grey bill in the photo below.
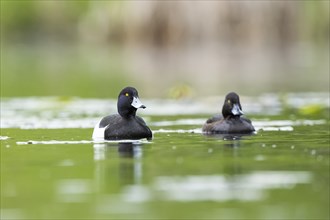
(136, 103)
(236, 110)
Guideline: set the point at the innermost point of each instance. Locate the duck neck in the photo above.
(232, 116)
(128, 113)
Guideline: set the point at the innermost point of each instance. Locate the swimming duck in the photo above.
(230, 122)
(126, 124)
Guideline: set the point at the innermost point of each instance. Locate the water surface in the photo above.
(51, 168)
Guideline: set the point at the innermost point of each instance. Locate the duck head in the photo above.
(128, 102)
(232, 106)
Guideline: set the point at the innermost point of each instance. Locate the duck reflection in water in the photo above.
(231, 140)
(117, 165)
(129, 149)
(104, 151)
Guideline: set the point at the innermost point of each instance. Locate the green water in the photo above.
(180, 174)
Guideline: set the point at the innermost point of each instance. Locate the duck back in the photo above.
(119, 128)
(237, 125)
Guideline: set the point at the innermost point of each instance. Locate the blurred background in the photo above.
(169, 49)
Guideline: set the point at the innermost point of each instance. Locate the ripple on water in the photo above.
(245, 187)
(2, 138)
(56, 113)
(142, 141)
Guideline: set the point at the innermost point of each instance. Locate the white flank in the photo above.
(98, 132)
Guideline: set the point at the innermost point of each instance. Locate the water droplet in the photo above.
(263, 145)
(292, 147)
(173, 147)
(210, 150)
(313, 152)
(274, 145)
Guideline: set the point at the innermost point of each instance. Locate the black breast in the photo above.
(119, 128)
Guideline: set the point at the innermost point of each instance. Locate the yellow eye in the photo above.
(126, 94)
(228, 101)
